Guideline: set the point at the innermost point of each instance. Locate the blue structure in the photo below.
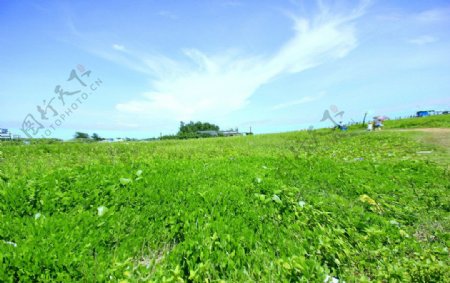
(425, 113)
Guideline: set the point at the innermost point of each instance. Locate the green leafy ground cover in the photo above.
(293, 207)
(442, 121)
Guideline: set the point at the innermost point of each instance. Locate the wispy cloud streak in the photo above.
(205, 86)
(422, 40)
(296, 102)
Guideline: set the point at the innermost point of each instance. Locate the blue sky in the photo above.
(272, 65)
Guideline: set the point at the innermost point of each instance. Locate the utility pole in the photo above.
(364, 120)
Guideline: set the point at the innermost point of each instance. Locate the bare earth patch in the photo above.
(439, 137)
(427, 130)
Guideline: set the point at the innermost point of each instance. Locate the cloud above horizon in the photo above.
(118, 47)
(422, 40)
(205, 86)
(300, 101)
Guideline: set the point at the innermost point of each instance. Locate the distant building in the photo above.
(230, 133)
(5, 134)
(425, 113)
(208, 133)
(111, 140)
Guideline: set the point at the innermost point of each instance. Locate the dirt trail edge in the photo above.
(439, 137)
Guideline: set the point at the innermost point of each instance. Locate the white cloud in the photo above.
(300, 101)
(167, 14)
(118, 47)
(422, 40)
(209, 86)
(434, 15)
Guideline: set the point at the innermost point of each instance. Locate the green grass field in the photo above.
(442, 121)
(293, 207)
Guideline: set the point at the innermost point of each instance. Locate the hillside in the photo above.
(438, 121)
(302, 206)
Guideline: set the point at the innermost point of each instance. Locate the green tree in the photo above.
(96, 137)
(80, 135)
(192, 128)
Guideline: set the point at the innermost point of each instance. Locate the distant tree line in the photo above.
(85, 136)
(192, 127)
(192, 130)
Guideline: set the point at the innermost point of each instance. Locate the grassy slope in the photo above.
(438, 121)
(280, 207)
(434, 131)
(437, 142)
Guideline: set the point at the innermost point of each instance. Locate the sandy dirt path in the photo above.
(435, 136)
(438, 136)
